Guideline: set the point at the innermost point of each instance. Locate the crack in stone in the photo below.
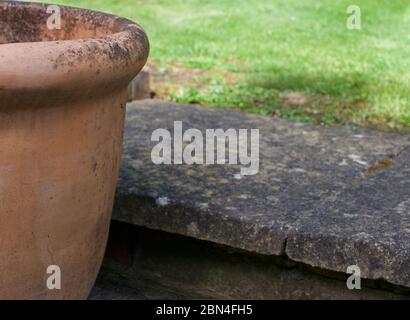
(284, 248)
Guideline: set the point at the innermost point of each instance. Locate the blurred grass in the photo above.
(290, 58)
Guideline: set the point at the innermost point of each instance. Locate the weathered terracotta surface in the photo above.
(62, 106)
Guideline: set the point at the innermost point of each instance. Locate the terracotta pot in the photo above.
(62, 107)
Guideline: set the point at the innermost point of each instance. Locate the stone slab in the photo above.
(329, 197)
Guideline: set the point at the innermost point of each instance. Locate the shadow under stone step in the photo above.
(106, 290)
(327, 197)
(161, 265)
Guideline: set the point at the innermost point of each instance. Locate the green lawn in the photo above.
(290, 58)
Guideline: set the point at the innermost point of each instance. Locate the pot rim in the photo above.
(109, 60)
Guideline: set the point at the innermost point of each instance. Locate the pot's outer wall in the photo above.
(61, 145)
(58, 171)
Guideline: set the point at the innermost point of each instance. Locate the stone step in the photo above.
(327, 197)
